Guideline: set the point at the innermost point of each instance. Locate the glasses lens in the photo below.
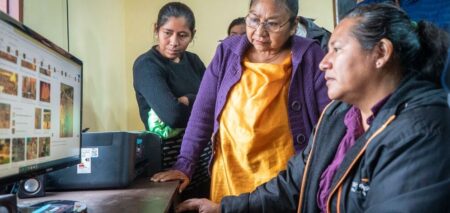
(272, 27)
(252, 22)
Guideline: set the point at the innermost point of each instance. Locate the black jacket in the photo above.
(401, 163)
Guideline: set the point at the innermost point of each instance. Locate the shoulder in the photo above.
(306, 51)
(419, 101)
(425, 115)
(235, 44)
(193, 57)
(422, 116)
(302, 45)
(148, 55)
(148, 61)
(195, 62)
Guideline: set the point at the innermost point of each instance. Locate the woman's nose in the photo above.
(174, 40)
(325, 64)
(260, 30)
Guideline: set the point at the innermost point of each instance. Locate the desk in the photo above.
(142, 196)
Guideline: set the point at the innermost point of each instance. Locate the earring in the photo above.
(378, 64)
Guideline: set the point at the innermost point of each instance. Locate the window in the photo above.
(14, 8)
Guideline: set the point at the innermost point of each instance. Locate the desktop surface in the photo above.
(142, 196)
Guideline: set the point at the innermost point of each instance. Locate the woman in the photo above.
(259, 99)
(383, 145)
(166, 81)
(237, 27)
(167, 77)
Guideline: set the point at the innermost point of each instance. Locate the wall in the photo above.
(108, 35)
(322, 12)
(140, 15)
(97, 35)
(47, 17)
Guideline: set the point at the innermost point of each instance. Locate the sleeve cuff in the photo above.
(235, 204)
(184, 165)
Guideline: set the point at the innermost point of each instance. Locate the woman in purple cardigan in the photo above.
(258, 101)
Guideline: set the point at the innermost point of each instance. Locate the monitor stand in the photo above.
(65, 206)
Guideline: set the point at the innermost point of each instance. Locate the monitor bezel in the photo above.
(60, 163)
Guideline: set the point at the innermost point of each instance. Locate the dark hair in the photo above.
(236, 21)
(418, 47)
(290, 5)
(175, 9)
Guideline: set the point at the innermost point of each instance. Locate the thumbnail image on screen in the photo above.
(44, 90)
(5, 116)
(66, 111)
(8, 82)
(5, 147)
(29, 87)
(37, 118)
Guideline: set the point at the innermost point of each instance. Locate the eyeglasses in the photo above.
(269, 26)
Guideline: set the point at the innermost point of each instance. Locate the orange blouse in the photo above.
(254, 141)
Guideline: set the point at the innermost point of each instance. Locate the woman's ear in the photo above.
(193, 34)
(384, 51)
(155, 29)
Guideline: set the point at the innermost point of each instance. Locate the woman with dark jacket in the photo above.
(383, 145)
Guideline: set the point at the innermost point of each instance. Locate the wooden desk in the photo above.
(142, 196)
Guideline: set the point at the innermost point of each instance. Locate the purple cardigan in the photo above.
(307, 95)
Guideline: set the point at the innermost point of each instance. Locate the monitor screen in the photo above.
(40, 104)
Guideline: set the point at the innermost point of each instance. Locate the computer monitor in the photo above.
(40, 104)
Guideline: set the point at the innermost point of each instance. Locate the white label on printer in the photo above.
(85, 166)
(94, 152)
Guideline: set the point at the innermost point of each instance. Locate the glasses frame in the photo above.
(264, 24)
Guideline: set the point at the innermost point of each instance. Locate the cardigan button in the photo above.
(300, 139)
(296, 106)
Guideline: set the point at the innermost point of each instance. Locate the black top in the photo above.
(158, 82)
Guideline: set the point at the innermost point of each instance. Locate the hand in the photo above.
(200, 205)
(172, 175)
(184, 100)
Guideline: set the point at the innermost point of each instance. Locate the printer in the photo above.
(110, 160)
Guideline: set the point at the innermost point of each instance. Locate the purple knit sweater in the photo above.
(307, 95)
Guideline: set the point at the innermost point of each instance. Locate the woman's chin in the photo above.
(261, 47)
(333, 95)
(172, 57)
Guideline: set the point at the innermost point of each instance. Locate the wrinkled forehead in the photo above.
(270, 8)
(277, 3)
